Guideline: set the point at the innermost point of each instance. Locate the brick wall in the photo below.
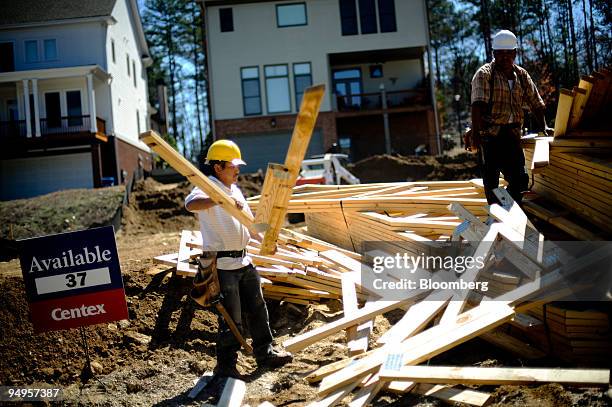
(249, 125)
(130, 158)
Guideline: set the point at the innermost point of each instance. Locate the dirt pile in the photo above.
(156, 207)
(57, 212)
(391, 168)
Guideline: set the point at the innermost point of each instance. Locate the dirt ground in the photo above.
(154, 357)
(396, 168)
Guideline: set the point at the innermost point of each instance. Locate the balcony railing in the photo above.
(373, 101)
(52, 126)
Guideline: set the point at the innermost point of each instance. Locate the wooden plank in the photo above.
(184, 167)
(564, 107)
(427, 344)
(580, 99)
(356, 336)
(416, 318)
(304, 340)
(233, 393)
(183, 268)
(453, 395)
(302, 132)
(540, 155)
(200, 384)
(512, 344)
(497, 375)
(275, 183)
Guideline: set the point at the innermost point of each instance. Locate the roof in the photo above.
(39, 11)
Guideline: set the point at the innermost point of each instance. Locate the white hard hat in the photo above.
(505, 39)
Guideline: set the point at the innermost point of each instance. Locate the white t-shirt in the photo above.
(220, 230)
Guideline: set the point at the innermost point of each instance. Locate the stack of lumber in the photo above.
(438, 320)
(404, 213)
(574, 168)
(303, 270)
(581, 336)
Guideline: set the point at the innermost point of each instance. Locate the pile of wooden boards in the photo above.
(436, 321)
(404, 213)
(579, 336)
(574, 168)
(304, 270)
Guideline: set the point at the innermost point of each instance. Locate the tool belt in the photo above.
(206, 289)
(232, 253)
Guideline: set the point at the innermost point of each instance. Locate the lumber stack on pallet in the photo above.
(579, 336)
(437, 320)
(302, 271)
(576, 169)
(404, 213)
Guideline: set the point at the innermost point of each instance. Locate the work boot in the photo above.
(227, 371)
(274, 358)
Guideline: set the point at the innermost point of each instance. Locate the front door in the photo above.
(73, 104)
(53, 109)
(347, 84)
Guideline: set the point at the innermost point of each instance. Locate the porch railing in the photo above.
(64, 125)
(373, 101)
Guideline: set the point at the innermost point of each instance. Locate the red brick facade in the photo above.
(326, 122)
(130, 159)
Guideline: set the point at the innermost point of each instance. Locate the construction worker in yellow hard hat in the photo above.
(500, 89)
(239, 281)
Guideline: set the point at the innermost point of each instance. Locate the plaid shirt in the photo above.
(508, 104)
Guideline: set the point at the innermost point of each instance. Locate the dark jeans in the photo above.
(503, 153)
(241, 290)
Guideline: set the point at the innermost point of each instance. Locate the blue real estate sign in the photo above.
(73, 279)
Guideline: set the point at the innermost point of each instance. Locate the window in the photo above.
(127, 59)
(277, 88)
(134, 76)
(73, 105)
(367, 16)
(386, 16)
(31, 51)
(138, 120)
(50, 47)
(7, 57)
(291, 15)
(113, 51)
(226, 19)
(347, 86)
(348, 17)
(251, 95)
(302, 78)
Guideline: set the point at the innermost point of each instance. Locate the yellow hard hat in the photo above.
(224, 150)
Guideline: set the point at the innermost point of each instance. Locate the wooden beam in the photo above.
(453, 395)
(564, 107)
(272, 207)
(427, 344)
(498, 375)
(540, 155)
(580, 99)
(184, 167)
(233, 393)
(302, 132)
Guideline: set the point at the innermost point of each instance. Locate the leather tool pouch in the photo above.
(206, 290)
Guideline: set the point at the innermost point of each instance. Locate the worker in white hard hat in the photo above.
(500, 91)
(239, 281)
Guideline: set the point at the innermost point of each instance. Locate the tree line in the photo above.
(558, 42)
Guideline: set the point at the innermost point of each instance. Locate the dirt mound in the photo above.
(391, 168)
(250, 184)
(156, 207)
(57, 212)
